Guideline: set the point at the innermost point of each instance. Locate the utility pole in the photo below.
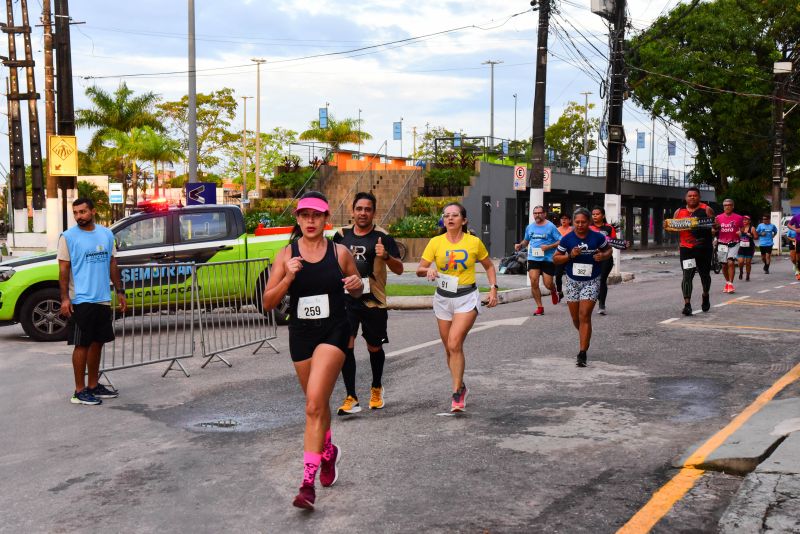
(491, 64)
(536, 177)
(65, 104)
(586, 129)
(19, 199)
(616, 131)
(782, 71)
(37, 175)
(414, 134)
(51, 189)
(192, 111)
(258, 63)
(245, 200)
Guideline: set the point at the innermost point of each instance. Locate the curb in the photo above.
(503, 297)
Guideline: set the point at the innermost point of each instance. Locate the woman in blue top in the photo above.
(766, 235)
(582, 251)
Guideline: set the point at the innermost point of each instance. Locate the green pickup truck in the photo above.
(29, 292)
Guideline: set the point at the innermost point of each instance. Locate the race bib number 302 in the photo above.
(581, 269)
(314, 307)
(448, 283)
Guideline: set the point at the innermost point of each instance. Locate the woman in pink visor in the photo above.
(315, 272)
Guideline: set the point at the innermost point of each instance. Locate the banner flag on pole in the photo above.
(397, 128)
(671, 148)
(603, 131)
(640, 140)
(583, 161)
(323, 117)
(640, 170)
(457, 141)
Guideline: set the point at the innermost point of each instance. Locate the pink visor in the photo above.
(316, 204)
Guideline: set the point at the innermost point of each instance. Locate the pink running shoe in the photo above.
(305, 498)
(459, 403)
(328, 473)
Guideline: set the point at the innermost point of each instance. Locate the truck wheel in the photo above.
(40, 315)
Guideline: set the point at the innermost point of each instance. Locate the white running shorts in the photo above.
(445, 307)
(733, 252)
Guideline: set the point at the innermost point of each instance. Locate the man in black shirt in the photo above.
(374, 250)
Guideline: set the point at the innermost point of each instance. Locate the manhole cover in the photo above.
(223, 423)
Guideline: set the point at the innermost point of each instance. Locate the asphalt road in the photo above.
(543, 447)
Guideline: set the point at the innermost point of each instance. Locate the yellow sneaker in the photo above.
(376, 398)
(349, 406)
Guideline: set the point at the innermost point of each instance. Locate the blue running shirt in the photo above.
(89, 254)
(593, 242)
(766, 233)
(537, 235)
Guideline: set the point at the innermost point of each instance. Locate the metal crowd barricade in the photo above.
(159, 323)
(228, 296)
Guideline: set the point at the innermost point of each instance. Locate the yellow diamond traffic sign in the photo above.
(62, 158)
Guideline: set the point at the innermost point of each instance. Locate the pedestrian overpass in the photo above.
(499, 214)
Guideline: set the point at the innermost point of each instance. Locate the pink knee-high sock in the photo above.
(311, 461)
(327, 447)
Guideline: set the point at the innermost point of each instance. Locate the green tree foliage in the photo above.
(159, 148)
(129, 148)
(98, 196)
(565, 136)
(337, 133)
(119, 111)
(274, 149)
(215, 112)
(708, 67)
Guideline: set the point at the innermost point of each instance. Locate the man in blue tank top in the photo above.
(86, 268)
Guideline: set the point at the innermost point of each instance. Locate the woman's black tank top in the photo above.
(321, 278)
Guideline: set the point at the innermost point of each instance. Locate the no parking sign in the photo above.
(520, 178)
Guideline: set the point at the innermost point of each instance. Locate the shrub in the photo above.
(291, 182)
(267, 218)
(430, 205)
(415, 226)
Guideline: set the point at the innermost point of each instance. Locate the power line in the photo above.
(322, 55)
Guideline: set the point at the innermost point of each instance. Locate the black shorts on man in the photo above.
(547, 267)
(373, 322)
(90, 323)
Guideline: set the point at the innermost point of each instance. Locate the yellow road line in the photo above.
(734, 326)
(665, 498)
(765, 304)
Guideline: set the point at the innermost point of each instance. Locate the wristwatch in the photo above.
(494, 286)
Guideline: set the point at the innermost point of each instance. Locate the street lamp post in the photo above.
(359, 132)
(258, 63)
(515, 116)
(586, 129)
(245, 201)
(192, 111)
(491, 64)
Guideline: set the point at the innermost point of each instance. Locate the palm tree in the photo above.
(128, 147)
(159, 148)
(119, 111)
(337, 133)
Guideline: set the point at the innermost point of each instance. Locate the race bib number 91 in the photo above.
(314, 307)
(448, 283)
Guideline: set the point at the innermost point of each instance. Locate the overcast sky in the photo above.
(438, 80)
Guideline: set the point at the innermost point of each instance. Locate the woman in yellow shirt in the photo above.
(449, 259)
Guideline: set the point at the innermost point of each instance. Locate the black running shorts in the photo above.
(546, 267)
(90, 323)
(765, 250)
(304, 338)
(372, 321)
